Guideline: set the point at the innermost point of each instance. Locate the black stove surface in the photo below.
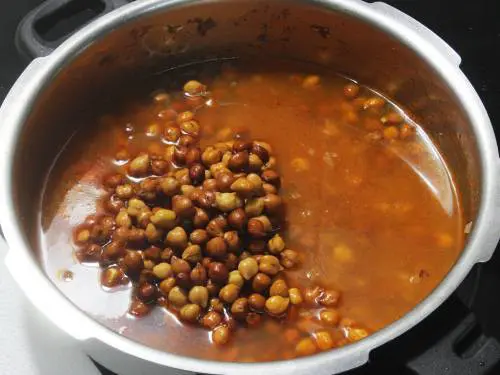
(463, 335)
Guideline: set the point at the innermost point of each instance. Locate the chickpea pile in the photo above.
(197, 231)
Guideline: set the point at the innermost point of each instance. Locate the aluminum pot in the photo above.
(372, 43)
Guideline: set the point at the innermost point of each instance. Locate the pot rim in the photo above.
(479, 246)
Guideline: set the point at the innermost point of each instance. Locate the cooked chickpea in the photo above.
(233, 242)
(248, 268)
(171, 134)
(216, 305)
(277, 305)
(289, 258)
(260, 282)
(278, 288)
(237, 219)
(139, 166)
(83, 236)
(198, 275)
(311, 295)
(133, 262)
(351, 90)
(153, 130)
(179, 265)
(216, 247)
(167, 285)
(265, 222)
(224, 180)
(211, 156)
(192, 254)
(254, 207)
(257, 302)
(164, 218)
(170, 186)
(256, 228)
(375, 104)
(162, 270)
(184, 116)
(305, 347)
(324, 340)
(218, 168)
(218, 272)
(197, 173)
(329, 298)
(177, 237)
(330, 317)
(177, 297)
(146, 292)
(236, 278)
(211, 320)
(201, 218)
(262, 149)
(136, 206)
(273, 204)
(271, 177)
(227, 202)
(239, 308)
(276, 244)
(295, 296)
(199, 236)
(194, 88)
(139, 309)
(356, 334)
(199, 296)
(190, 127)
(112, 277)
(229, 293)
(193, 156)
(152, 233)
(269, 265)
(216, 227)
(254, 163)
(190, 312)
(242, 187)
(221, 335)
(239, 161)
(124, 191)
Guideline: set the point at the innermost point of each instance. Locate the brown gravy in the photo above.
(378, 218)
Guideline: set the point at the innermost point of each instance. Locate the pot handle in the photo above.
(419, 28)
(53, 21)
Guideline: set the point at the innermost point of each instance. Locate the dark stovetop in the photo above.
(461, 336)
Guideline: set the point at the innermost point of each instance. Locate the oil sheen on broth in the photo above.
(374, 210)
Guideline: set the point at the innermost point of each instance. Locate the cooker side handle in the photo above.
(434, 39)
(32, 35)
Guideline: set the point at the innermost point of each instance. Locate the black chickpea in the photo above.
(199, 237)
(237, 219)
(216, 247)
(198, 275)
(218, 272)
(190, 312)
(261, 282)
(211, 320)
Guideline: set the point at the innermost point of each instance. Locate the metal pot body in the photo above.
(372, 43)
